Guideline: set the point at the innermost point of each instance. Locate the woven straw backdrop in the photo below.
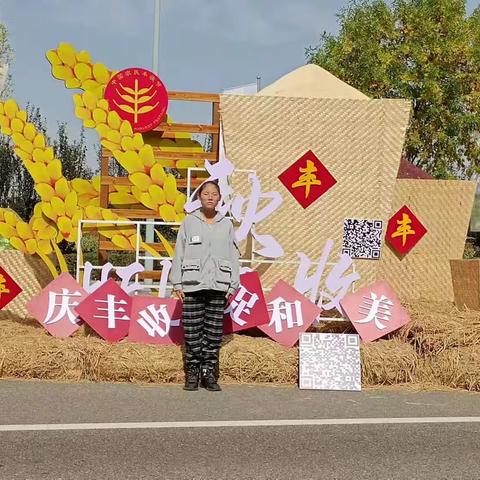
(31, 275)
(444, 207)
(359, 142)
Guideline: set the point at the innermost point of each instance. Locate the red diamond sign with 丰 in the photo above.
(307, 179)
(404, 231)
(107, 311)
(8, 288)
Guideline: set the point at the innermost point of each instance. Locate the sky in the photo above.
(205, 45)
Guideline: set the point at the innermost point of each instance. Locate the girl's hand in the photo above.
(179, 294)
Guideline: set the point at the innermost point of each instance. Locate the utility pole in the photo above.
(156, 37)
(150, 231)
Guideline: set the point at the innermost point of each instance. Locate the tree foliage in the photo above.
(6, 57)
(424, 50)
(72, 153)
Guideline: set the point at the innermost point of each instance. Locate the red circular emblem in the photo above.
(138, 96)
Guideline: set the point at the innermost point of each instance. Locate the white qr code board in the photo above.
(362, 238)
(330, 361)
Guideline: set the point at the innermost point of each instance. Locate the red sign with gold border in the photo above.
(307, 179)
(404, 231)
(138, 96)
(9, 289)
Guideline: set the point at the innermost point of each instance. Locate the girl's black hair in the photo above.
(209, 182)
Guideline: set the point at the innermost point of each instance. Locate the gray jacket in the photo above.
(206, 255)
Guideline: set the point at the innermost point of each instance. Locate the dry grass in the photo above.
(436, 327)
(438, 349)
(457, 367)
(389, 362)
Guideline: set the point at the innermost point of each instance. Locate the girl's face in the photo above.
(209, 197)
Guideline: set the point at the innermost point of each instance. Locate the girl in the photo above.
(205, 272)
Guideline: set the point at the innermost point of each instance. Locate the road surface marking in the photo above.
(235, 423)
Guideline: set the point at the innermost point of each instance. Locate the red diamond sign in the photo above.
(307, 179)
(107, 311)
(8, 288)
(404, 231)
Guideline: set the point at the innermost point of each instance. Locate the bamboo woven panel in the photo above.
(31, 275)
(444, 207)
(360, 143)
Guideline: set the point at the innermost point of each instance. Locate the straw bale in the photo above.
(311, 81)
(458, 367)
(439, 347)
(388, 362)
(466, 282)
(436, 327)
(27, 351)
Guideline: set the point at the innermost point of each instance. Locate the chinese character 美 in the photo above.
(404, 228)
(375, 309)
(308, 178)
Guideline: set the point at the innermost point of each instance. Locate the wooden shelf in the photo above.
(135, 213)
(125, 182)
(162, 131)
(187, 128)
(194, 96)
(158, 152)
(109, 246)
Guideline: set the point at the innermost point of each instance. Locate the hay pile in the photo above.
(440, 347)
(27, 351)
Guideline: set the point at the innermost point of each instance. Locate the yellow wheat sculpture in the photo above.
(62, 202)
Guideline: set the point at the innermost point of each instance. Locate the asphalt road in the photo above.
(104, 431)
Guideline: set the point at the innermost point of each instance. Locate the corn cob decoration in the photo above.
(57, 214)
(63, 203)
(152, 187)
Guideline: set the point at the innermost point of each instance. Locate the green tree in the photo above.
(72, 153)
(6, 57)
(424, 50)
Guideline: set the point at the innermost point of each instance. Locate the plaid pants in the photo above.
(203, 325)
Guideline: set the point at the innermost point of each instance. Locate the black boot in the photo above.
(209, 379)
(191, 378)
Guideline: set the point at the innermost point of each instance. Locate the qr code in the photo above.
(362, 238)
(330, 361)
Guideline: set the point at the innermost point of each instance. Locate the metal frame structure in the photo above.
(152, 223)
